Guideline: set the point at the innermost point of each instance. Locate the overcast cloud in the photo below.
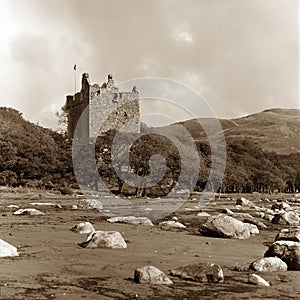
(241, 55)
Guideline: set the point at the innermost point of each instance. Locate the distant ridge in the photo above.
(274, 130)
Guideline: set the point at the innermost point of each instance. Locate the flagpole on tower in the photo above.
(75, 67)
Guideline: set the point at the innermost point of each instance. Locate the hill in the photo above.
(274, 130)
(30, 154)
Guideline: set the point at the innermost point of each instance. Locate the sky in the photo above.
(242, 56)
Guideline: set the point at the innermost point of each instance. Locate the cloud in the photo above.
(242, 56)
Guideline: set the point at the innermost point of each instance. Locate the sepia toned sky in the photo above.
(241, 55)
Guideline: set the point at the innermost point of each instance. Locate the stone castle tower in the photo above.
(107, 108)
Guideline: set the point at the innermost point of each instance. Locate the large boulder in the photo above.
(288, 251)
(171, 224)
(268, 264)
(289, 234)
(244, 202)
(226, 227)
(286, 218)
(212, 273)
(131, 220)
(7, 249)
(28, 211)
(83, 228)
(104, 239)
(152, 275)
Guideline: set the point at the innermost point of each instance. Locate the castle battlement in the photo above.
(106, 106)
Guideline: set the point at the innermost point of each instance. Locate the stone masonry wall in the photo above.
(108, 109)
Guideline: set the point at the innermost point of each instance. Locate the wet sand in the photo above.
(52, 266)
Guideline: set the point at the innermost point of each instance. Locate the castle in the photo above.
(107, 108)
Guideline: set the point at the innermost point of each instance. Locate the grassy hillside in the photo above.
(274, 130)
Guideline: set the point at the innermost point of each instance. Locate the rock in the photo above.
(258, 223)
(227, 211)
(152, 275)
(286, 218)
(288, 251)
(242, 216)
(268, 217)
(104, 239)
(268, 264)
(12, 206)
(257, 280)
(131, 220)
(244, 202)
(289, 234)
(212, 273)
(203, 214)
(175, 218)
(253, 229)
(7, 249)
(258, 208)
(297, 195)
(44, 204)
(225, 226)
(74, 207)
(83, 228)
(258, 214)
(28, 211)
(91, 204)
(171, 224)
(280, 206)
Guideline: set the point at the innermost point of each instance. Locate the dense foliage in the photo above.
(38, 157)
(31, 155)
(248, 167)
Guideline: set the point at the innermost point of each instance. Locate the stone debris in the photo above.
(211, 272)
(83, 228)
(152, 275)
(28, 211)
(268, 264)
(104, 239)
(226, 227)
(171, 224)
(257, 280)
(7, 250)
(131, 220)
